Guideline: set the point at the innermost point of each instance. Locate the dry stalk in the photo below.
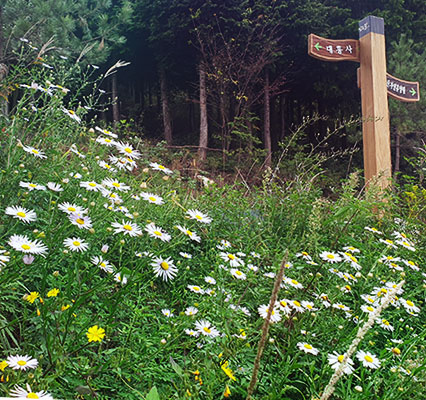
(329, 389)
(265, 327)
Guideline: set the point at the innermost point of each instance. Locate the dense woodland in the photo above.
(232, 75)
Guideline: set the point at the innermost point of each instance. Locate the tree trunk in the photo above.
(167, 121)
(397, 151)
(282, 117)
(267, 121)
(4, 109)
(202, 152)
(115, 107)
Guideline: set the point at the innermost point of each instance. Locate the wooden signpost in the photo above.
(375, 84)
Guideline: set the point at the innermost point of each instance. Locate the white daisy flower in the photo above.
(341, 307)
(389, 259)
(81, 221)
(115, 184)
(307, 348)
(164, 268)
(34, 151)
(127, 227)
(252, 267)
(374, 230)
(292, 282)
(3, 259)
(304, 255)
(22, 362)
(111, 196)
(336, 359)
(31, 186)
(104, 265)
(351, 249)
(368, 359)
(324, 300)
(76, 244)
(74, 150)
(309, 305)
(191, 332)
(295, 305)
(22, 243)
(236, 273)
(205, 328)
(409, 306)
(189, 233)
(69, 208)
(388, 243)
(105, 141)
(284, 306)
(224, 244)
(21, 393)
(106, 132)
(234, 261)
(195, 289)
(21, 213)
(152, 198)
(191, 311)
(106, 166)
(210, 280)
(158, 167)
(199, 216)
(411, 264)
(368, 309)
(128, 150)
(275, 314)
(54, 187)
(120, 278)
(371, 300)
(330, 257)
(185, 255)
(167, 313)
(72, 115)
(406, 244)
(91, 186)
(348, 257)
(384, 323)
(157, 232)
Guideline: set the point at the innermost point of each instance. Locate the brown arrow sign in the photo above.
(333, 50)
(402, 90)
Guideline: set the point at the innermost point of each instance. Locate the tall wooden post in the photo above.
(375, 113)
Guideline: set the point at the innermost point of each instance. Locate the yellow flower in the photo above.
(227, 391)
(3, 365)
(53, 292)
(95, 334)
(31, 298)
(227, 370)
(65, 307)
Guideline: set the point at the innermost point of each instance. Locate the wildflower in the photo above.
(115, 184)
(120, 278)
(406, 244)
(34, 151)
(236, 273)
(106, 141)
(158, 167)
(74, 150)
(348, 257)
(3, 259)
(368, 359)
(325, 300)
(351, 249)
(72, 115)
(164, 268)
(91, 186)
(191, 311)
(227, 370)
(21, 213)
(54, 187)
(105, 165)
(3, 365)
(21, 393)
(205, 328)
(233, 260)
(293, 283)
(28, 259)
(199, 216)
(22, 243)
(330, 257)
(104, 265)
(384, 323)
(82, 222)
(167, 313)
(409, 306)
(189, 233)
(69, 208)
(191, 332)
(195, 289)
(370, 299)
(336, 359)
(22, 362)
(185, 255)
(227, 391)
(275, 314)
(53, 292)
(152, 198)
(95, 334)
(307, 348)
(76, 244)
(304, 255)
(105, 131)
(128, 150)
(411, 264)
(127, 227)
(309, 305)
(31, 186)
(224, 244)
(157, 232)
(368, 309)
(374, 230)
(295, 305)
(284, 305)
(341, 307)
(32, 297)
(210, 280)
(252, 267)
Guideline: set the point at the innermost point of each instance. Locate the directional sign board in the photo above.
(333, 50)
(402, 90)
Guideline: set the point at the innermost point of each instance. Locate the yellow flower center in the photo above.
(283, 303)
(368, 359)
(32, 395)
(296, 303)
(76, 243)
(127, 227)
(294, 282)
(410, 303)
(396, 351)
(108, 140)
(21, 214)
(22, 363)
(158, 233)
(340, 358)
(164, 265)
(26, 247)
(307, 346)
(72, 209)
(199, 217)
(34, 151)
(189, 233)
(117, 185)
(80, 221)
(32, 185)
(309, 306)
(239, 273)
(152, 198)
(71, 112)
(330, 256)
(128, 150)
(107, 166)
(388, 241)
(231, 256)
(161, 167)
(196, 288)
(305, 253)
(369, 308)
(91, 184)
(411, 263)
(205, 329)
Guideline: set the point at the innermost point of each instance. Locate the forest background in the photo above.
(231, 79)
